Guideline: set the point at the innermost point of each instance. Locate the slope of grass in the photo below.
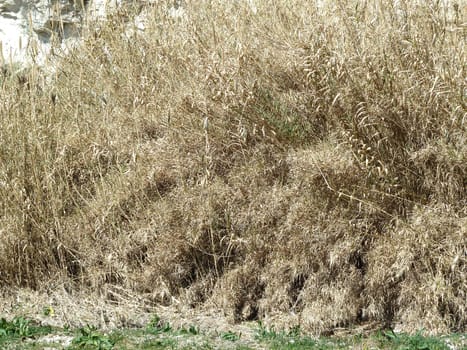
(281, 160)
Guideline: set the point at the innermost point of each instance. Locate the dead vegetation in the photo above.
(279, 161)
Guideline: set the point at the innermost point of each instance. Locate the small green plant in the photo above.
(21, 327)
(48, 311)
(231, 336)
(90, 338)
(295, 331)
(283, 119)
(263, 333)
(157, 326)
(192, 330)
(17, 327)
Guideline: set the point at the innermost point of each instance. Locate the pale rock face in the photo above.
(29, 28)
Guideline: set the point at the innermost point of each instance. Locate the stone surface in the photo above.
(29, 28)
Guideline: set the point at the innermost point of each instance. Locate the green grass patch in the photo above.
(230, 336)
(90, 337)
(404, 341)
(20, 328)
(294, 339)
(21, 333)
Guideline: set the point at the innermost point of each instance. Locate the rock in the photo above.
(29, 28)
(10, 6)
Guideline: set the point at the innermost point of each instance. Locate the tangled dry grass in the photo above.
(271, 159)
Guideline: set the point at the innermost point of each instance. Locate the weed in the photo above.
(191, 330)
(231, 336)
(408, 342)
(21, 327)
(262, 332)
(156, 326)
(48, 311)
(90, 338)
(17, 327)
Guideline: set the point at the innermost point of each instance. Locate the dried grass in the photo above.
(284, 161)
